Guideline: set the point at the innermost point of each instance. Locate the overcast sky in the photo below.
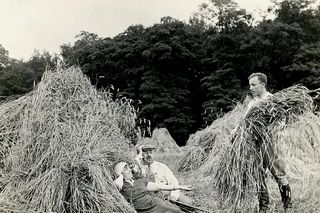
(46, 24)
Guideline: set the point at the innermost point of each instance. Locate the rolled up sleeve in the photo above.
(171, 180)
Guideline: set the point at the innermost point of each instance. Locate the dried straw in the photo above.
(65, 138)
(203, 145)
(237, 176)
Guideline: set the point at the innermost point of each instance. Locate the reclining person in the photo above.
(140, 192)
(158, 172)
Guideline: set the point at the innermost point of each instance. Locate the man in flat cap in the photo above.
(158, 172)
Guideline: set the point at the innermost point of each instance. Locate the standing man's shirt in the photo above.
(256, 100)
(162, 174)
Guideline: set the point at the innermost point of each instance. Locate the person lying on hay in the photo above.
(140, 194)
(270, 159)
(158, 172)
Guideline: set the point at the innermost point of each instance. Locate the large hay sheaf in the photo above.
(66, 135)
(238, 174)
(216, 135)
(288, 123)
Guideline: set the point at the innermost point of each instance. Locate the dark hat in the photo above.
(147, 147)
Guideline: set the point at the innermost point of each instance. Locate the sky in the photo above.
(27, 25)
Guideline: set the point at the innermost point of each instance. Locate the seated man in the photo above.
(139, 192)
(158, 172)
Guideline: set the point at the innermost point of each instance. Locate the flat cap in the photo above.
(147, 147)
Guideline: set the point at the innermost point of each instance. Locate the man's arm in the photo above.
(119, 182)
(171, 180)
(151, 187)
(248, 107)
(138, 160)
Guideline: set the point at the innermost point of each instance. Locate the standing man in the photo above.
(270, 160)
(158, 172)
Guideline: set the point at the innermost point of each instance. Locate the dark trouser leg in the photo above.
(164, 207)
(285, 192)
(278, 172)
(277, 168)
(263, 194)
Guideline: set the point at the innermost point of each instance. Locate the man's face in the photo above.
(147, 156)
(127, 173)
(256, 86)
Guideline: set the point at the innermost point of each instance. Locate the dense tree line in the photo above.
(19, 77)
(185, 75)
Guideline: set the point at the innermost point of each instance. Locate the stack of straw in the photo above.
(64, 136)
(202, 143)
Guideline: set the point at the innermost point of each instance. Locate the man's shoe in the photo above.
(263, 210)
(285, 192)
(287, 210)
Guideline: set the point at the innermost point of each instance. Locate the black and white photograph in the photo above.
(160, 106)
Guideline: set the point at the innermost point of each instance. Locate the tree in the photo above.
(19, 77)
(223, 75)
(223, 15)
(186, 75)
(305, 68)
(141, 64)
(4, 57)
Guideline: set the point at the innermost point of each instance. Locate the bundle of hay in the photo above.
(237, 175)
(300, 144)
(10, 116)
(201, 143)
(65, 138)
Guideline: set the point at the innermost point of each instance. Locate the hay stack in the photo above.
(10, 116)
(66, 136)
(201, 143)
(162, 140)
(302, 141)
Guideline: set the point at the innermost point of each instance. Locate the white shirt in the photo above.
(256, 100)
(162, 174)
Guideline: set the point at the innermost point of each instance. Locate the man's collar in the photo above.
(147, 164)
(129, 181)
(263, 96)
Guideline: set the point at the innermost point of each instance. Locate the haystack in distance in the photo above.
(64, 137)
(162, 140)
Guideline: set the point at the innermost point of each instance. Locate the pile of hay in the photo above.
(162, 140)
(59, 144)
(10, 115)
(200, 144)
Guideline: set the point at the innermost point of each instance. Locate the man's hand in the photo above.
(134, 167)
(119, 181)
(173, 198)
(140, 150)
(185, 187)
(119, 176)
(234, 131)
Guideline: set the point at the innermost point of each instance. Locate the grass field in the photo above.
(305, 193)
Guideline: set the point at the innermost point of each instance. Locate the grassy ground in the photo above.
(305, 192)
